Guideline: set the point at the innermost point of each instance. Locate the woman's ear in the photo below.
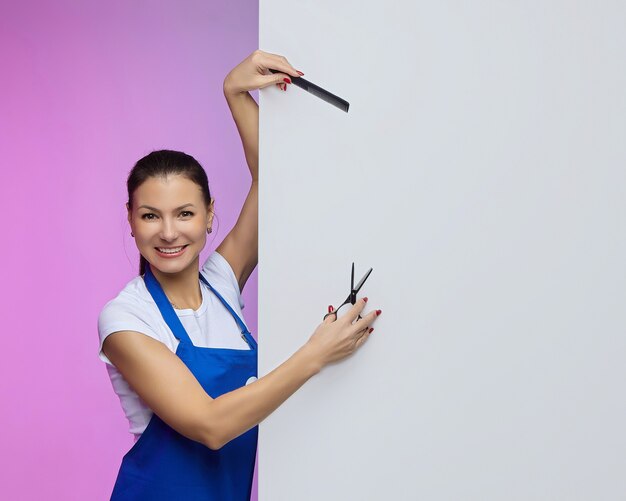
(210, 213)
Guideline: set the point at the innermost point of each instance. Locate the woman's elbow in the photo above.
(211, 437)
(213, 442)
(215, 439)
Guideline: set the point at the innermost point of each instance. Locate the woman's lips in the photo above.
(169, 254)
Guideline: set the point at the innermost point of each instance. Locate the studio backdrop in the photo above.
(87, 89)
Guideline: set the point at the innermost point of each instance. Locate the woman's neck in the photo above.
(182, 288)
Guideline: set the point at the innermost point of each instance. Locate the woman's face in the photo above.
(169, 213)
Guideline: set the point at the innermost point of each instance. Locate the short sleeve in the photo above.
(119, 316)
(220, 274)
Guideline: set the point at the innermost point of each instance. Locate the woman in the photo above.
(179, 355)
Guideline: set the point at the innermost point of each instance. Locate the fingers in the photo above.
(366, 321)
(363, 338)
(356, 310)
(331, 316)
(279, 79)
(361, 335)
(276, 62)
(280, 63)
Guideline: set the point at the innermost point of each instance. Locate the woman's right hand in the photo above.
(336, 338)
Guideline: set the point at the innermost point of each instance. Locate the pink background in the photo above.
(86, 89)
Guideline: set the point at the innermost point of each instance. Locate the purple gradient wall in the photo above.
(86, 89)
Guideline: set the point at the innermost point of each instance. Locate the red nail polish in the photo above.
(286, 80)
(365, 299)
(371, 329)
(300, 73)
(378, 312)
(330, 309)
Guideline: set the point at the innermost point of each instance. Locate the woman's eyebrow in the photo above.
(157, 210)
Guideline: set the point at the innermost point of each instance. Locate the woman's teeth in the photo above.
(170, 251)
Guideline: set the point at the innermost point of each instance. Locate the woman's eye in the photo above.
(145, 216)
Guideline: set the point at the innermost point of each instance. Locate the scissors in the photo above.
(353, 291)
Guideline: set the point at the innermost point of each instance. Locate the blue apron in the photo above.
(164, 465)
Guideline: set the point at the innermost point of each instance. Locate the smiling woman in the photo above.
(178, 353)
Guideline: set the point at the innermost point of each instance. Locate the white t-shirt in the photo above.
(211, 325)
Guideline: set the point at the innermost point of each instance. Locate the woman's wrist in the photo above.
(236, 99)
(232, 95)
(230, 91)
(309, 359)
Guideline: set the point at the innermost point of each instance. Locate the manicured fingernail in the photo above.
(371, 329)
(286, 80)
(330, 309)
(300, 73)
(365, 299)
(378, 312)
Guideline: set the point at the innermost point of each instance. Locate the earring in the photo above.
(132, 234)
(209, 230)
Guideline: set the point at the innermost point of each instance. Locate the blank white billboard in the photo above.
(481, 171)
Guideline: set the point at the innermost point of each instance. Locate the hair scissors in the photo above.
(353, 291)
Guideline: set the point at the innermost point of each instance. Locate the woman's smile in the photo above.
(169, 252)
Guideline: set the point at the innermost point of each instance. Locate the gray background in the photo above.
(480, 172)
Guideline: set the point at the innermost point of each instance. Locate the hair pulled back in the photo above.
(163, 163)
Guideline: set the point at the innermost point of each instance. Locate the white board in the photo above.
(481, 172)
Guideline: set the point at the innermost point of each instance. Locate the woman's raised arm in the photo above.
(240, 247)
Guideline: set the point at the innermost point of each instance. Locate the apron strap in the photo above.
(242, 327)
(165, 307)
(245, 333)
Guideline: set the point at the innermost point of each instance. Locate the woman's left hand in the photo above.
(253, 73)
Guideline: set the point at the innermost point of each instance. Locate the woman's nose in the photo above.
(168, 230)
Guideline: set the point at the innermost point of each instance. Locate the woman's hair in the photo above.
(163, 163)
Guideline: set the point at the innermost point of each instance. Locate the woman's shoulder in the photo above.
(132, 301)
(133, 294)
